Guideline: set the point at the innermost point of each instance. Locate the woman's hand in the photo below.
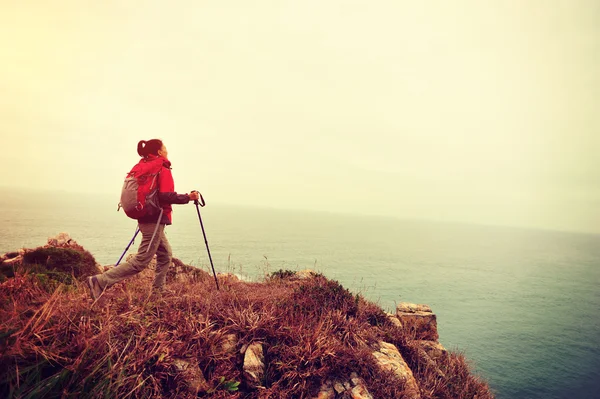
(194, 196)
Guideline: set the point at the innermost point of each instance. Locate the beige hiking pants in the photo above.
(160, 247)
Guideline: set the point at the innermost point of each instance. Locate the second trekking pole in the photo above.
(198, 205)
(127, 249)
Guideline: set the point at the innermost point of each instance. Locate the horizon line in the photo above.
(333, 212)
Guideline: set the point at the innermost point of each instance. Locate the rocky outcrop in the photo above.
(418, 320)
(254, 365)
(389, 359)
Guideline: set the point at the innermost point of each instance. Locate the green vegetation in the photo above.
(80, 264)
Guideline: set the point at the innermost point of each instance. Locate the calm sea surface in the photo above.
(523, 305)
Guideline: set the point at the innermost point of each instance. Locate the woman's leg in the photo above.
(164, 256)
(139, 261)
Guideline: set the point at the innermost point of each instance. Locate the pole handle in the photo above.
(202, 203)
(205, 240)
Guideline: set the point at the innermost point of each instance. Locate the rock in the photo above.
(10, 255)
(394, 320)
(254, 366)
(226, 344)
(326, 391)
(182, 272)
(229, 343)
(13, 261)
(435, 350)
(191, 375)
(339, 387)
(305, 274)
(355, 379)
(419, 320)
(359, 390)
(388, 358)
(426, 360)
(406, 307)
(62, 240)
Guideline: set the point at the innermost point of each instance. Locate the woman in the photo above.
(153, 151)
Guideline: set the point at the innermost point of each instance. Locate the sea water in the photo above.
(523, 305)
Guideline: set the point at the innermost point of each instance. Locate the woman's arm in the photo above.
(172, 197)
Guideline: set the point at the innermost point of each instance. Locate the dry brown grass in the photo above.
(56, 344)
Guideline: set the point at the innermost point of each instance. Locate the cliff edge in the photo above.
(293, 335)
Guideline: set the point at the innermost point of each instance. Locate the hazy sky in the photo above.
(476, 111)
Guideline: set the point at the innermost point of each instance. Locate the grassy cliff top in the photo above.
(293, 335)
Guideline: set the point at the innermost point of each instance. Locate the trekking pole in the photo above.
(137, 230)
(198, 205)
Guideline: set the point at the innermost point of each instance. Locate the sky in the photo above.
(464, 110)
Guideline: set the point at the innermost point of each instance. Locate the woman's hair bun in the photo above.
(141, 148)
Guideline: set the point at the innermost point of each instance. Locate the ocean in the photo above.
(522, 304)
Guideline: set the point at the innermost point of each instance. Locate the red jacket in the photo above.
(166, 190)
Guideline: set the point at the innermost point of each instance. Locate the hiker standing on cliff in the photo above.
(154, 241)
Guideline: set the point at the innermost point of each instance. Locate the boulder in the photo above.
(389, 359)
(435, 350)
(191, 375)
(254, 365)
(418, 320)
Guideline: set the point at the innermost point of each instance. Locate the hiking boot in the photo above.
(95, 289)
